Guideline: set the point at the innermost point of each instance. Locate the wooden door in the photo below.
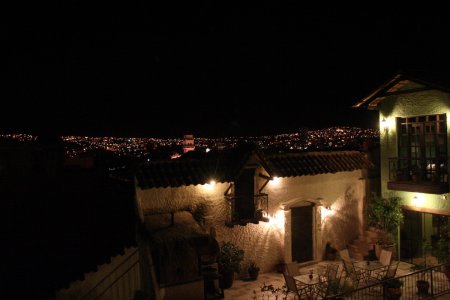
(302, 233)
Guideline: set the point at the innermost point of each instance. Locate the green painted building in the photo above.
(414, 147)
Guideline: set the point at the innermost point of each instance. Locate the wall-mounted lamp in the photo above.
(326, 211)
(384, 125)
(444, 197)
(418, 201)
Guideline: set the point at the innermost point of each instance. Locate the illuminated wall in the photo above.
(269, 242)
(410, 104)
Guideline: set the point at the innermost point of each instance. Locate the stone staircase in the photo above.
(361, 246)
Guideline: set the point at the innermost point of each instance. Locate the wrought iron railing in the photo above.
(436, 276)
(433, 170)
(261, 206)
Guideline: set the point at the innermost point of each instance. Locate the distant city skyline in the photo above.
(333, 138)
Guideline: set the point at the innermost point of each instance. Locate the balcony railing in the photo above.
(260, 208)
(429, 175)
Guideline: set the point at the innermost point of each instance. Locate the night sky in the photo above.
(139, 68)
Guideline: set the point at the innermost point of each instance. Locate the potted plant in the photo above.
(253, 270)
(281, 266)
(330, 252)
(392, 289)
(229, 262)
(443, 249)
(385, 215)
(422, 284)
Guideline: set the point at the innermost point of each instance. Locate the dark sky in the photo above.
(208, 68)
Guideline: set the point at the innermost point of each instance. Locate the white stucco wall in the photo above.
(268, 243)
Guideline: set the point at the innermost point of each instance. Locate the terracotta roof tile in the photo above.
(313, 163)
(220, 166)
(226, 166)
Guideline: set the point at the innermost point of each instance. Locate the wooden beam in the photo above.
(228, 189)
(264, 176)
(415, 90)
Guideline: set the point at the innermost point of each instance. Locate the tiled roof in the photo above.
(219, 166)
(314, 163)
(226, 166)
(431, 81)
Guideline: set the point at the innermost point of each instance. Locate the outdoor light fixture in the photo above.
(275, 179)
(384, 125)
(210, 185)
(326, 211)
(418, 201)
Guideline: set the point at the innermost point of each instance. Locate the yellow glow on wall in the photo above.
(277, 220)
(418, 200)
(325, 212)
(386, 123)
(275, 180)
(210, 186)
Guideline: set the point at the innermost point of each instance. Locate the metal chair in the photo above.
(351, 273)
(292, 286)
(385, 257)
(392, 270)
(292, 269)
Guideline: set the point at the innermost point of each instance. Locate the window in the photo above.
(422, 147)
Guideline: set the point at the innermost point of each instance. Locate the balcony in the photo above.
(244, 210)
(429, 175)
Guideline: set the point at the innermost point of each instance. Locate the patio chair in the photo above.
(292, 286)
(292, 269)
(344, 254)
(330, 272)
(351, 273)
(392, 270)
(327, 288)
(385, 257)
(386, 272)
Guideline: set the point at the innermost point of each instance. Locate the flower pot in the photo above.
(389, 247)
(422, 287)
(227, 279)
(281, 268)
(330, 256)
(447, 272)
(393, 293)
(253, 274)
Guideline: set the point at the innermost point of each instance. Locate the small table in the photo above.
(367, 269)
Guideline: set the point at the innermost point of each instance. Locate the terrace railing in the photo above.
(428, 175)
(439, 284)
